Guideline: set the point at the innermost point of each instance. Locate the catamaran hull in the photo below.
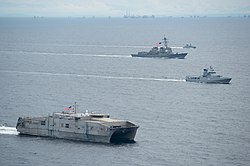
(92, 133)
(127, 137)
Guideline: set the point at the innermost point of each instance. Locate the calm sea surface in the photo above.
(47, 64)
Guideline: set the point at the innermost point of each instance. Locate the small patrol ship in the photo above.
(189, 46)
(162, 52)
(69, 124)
(209, 76)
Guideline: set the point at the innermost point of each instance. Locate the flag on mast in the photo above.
(68, 108)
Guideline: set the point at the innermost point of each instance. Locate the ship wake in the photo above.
(72, 54)
(96, 76)
(8, 130)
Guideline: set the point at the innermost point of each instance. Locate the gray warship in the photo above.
(69, 124)
(189, 46)
(209, 76)
(162, 52)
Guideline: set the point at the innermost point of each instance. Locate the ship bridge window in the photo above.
(43, 123)
(66, 125)
(97, 116)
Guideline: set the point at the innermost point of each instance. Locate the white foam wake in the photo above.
(86, 45)
(71, 54)
(8, 130)
(177, 47)
(96, 76)
(115, 46)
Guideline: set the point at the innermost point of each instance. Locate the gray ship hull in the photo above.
(223, 80)
(120, 135)
(104, 131)
(161, 55)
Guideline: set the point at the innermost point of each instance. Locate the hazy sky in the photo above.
(65, 8)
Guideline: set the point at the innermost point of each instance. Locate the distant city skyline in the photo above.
(105, 8)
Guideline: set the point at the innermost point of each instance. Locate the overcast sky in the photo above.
(104, 8)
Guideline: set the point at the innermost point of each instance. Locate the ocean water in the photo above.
(47, 64)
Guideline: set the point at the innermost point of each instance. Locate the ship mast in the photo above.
(75, 107)
(165, 42)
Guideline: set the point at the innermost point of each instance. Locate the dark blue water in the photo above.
(47, 64)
